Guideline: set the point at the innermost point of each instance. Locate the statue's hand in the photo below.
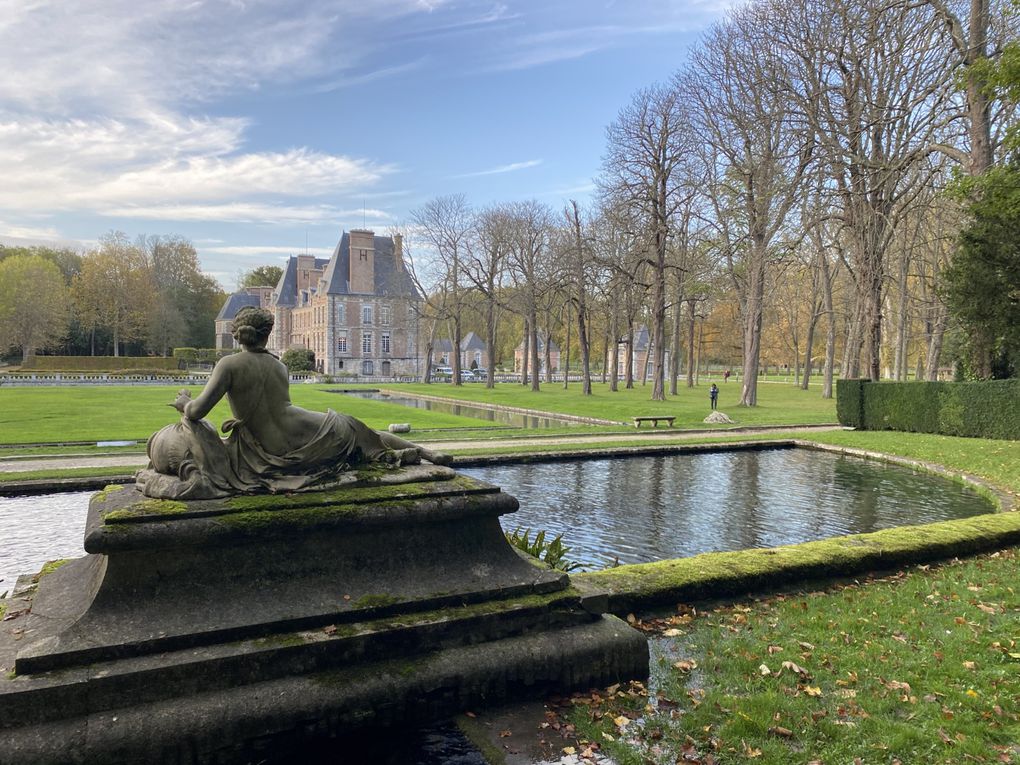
(183, 397)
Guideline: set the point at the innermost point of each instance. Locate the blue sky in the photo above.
(253, 126)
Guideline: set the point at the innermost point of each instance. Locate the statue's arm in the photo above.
(214, 390)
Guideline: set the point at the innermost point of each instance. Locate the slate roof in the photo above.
(235, 303)
(553, 347)
(286, 288)
(390, 279)
(470, 342)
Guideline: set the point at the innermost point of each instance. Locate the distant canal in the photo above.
(630, 510)
(493, 416)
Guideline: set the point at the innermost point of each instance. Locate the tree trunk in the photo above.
(752, 320)
(535, 368)
(691, 319)
(628, 367)
(565, 365)
(675, 349)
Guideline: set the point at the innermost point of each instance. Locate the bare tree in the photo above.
(647, 145)
(757, 153)
(871, 80)
(530, 225)
(445, 224)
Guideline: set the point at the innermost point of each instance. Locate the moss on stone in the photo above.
(281, 641)
(375, 601)
(348, 495)
(49, 567)
(107, 490)
(147, 507)
(651, 585)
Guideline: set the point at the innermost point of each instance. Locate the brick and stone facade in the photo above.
(357, 310)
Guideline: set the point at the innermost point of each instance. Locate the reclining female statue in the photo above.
(272, 445)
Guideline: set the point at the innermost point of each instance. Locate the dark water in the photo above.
(34, 530)
(497, 417)
(633, 509)
(655, 508)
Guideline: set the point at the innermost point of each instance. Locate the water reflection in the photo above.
(34, 530)
(655, 508)
(496, 416)
(632, 510)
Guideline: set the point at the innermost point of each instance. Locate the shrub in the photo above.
(98, 363)
(299, 360)
(985, 409)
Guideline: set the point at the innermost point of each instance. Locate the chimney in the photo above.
(398, 251)
(362, 257)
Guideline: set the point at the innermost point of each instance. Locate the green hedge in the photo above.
(98, 363)
(987, 409)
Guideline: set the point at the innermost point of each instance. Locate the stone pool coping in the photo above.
(710, 575)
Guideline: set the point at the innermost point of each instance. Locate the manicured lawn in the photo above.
(778, 404)
(921, 666)
(43, 415)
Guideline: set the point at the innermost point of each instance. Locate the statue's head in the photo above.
(252, 326)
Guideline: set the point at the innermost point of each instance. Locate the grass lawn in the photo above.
(45, 415)
(921, 666)
(778, 404)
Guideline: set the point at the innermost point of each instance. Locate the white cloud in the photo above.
(116, 166)
(244, 212)
(512, 167)
(14, 232)
(249, 250)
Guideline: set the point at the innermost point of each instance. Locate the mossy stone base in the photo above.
(212, 631)
(164, 575)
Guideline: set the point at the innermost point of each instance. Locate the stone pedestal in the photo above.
(203, 631)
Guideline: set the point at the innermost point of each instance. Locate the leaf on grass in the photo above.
(621, 722)
(764, 670)
(969, 665)
(685, 665)
(673, 632)
(772, 649)
(779, 730)
(812, 690)
(750, 752)
(568, 750)
(805, 646)
(796, 668)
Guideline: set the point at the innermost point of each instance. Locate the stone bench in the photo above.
(654, 421)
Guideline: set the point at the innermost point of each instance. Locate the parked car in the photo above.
(466, 375)
(482, 373)
(440, 372)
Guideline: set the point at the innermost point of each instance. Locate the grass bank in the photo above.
(919, 666)
(113, 413)
(778, 404)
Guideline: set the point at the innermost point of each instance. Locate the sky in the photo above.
(261, 129)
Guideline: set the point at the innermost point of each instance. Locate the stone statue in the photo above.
(273, 446)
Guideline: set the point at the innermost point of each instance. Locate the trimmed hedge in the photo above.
(98, 363)
(986, 409)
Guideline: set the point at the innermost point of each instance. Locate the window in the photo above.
(386, 369)
(341, 314)
(384, 341)
(367, 368)
(366, 314)
(341, 341)
(366, 342)
(384, 315)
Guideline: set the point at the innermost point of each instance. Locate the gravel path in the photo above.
(61, 462)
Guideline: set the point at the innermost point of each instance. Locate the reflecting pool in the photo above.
(633, 510)
(642, 509)
(493, 416)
